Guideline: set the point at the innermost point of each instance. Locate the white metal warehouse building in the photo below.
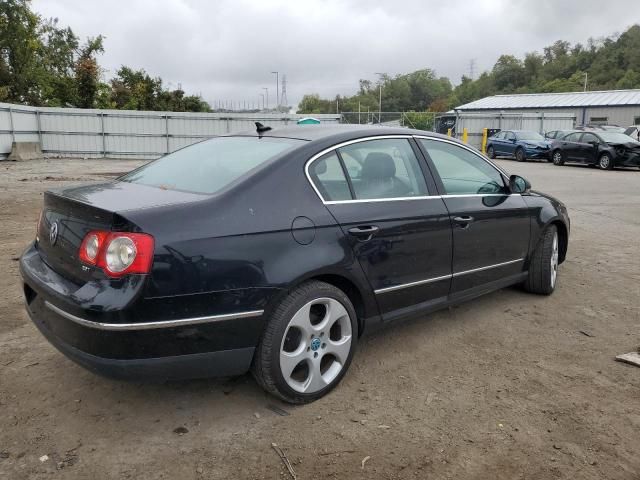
(611, 107)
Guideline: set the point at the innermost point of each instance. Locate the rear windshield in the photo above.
(529, 136)
(209, 166)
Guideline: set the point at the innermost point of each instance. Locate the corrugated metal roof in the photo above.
(556, 100)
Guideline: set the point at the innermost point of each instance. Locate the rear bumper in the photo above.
(156, 346)
(176, 367)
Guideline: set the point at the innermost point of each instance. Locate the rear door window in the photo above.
(327, 174)
(384, 168)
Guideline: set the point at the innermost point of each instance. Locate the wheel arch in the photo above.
(362, 299)
(563, 236)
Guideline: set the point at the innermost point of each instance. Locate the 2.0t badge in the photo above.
(53, 233)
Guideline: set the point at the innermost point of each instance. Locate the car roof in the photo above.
(339, 132)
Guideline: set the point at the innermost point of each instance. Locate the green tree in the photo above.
(87, 72)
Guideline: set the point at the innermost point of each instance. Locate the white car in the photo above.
(634, 132)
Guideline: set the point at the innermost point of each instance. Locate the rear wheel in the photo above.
(543, 267)
(491, 153)
(605, 162)
(308, 343)
(520, 155)
(557, 157)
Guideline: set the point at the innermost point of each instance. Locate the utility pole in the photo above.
(472, 68)
(266, 89)
(277, 93)
(586, 77)
(380, 101)
(262, 95)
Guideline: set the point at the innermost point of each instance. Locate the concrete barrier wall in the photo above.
(123, 133)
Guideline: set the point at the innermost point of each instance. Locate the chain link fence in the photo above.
(417, 120)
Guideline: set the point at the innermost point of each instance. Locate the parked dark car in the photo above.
(520, 144)
(603, 148)
(276, 250)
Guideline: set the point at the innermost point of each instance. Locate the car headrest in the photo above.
(320, 168)
(378, 165)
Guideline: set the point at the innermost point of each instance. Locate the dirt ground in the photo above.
(509, 386)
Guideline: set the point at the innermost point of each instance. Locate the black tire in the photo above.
(541, 279)
(605, 162)
(557, 157)
(491, 153)
(266, 361)
(520, 155)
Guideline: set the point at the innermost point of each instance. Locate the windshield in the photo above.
(615, 137)
(209, 166)
(526, 135)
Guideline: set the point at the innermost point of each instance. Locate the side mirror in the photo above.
(518, 184)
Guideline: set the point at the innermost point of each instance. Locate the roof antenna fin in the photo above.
(262, 128)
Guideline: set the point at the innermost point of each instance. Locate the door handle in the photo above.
(364, 233)
(463, 222)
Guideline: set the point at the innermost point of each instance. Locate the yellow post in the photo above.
(449, 132)
(484, 140)
(465, 135)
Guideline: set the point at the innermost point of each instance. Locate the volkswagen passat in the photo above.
(277, 250)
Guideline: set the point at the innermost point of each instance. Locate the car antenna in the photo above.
(262, 128)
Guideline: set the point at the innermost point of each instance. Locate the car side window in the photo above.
(573, 137)
(463, 172)
(498, 136)
(589, 137)
(385, 168)
(328, 176)
(510, 136)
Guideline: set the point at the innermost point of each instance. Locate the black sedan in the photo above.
(605, 149)
(276, 250)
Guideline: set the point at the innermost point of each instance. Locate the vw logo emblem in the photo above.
(53, 233)
(315, 344)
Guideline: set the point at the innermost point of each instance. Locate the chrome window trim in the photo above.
(151, 325)
(390, 199)
(444, 277)
(344, 144)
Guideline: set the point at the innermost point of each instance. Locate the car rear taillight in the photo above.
(117, 253)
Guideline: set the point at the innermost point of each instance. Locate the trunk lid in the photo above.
(69, 214)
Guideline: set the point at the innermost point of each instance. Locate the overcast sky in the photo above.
(226, 49)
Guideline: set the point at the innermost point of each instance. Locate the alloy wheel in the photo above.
(605, 161)
(557, 158)
(554, 260)
(316, 345)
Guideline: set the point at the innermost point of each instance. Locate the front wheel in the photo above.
(520, 155)
(543, 267)
(557, 158)
(491, 153)
(605, 162)
(308, 343)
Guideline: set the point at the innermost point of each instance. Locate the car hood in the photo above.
(630, 145)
